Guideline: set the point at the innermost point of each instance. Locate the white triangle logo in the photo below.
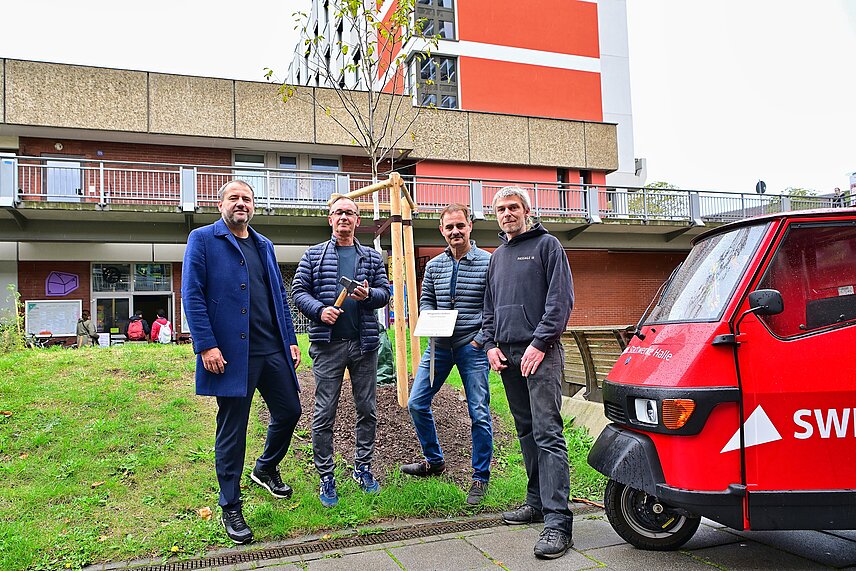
(758, 429)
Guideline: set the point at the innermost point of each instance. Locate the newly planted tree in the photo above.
(360, 52)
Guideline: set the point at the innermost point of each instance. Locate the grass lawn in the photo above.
(107, 454)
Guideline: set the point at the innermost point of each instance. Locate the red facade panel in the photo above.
(522, 89)
(560, 26)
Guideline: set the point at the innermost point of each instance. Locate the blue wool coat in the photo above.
(216, 299)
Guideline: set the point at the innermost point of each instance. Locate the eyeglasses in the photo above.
(348, 213)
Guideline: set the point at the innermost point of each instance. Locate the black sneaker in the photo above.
(477, 491)
(423, 469)
(523, 514)
(236, 527)
(552, 543)
(272, 482)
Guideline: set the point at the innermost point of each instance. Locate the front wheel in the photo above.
(645, 522)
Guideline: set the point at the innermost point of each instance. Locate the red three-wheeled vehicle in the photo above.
(736, 399)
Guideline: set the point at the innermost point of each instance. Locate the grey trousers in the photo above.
(535, 402)
(329, 361)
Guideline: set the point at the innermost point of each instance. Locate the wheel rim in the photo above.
(638, 510)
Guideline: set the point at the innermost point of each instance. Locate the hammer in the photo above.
(349, 287)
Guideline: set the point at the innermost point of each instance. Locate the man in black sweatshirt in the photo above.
(527, 305)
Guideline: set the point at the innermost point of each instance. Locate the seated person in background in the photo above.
(138, 328)
(161, 329)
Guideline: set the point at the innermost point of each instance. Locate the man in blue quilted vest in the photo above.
(345, 337)
(455, 279)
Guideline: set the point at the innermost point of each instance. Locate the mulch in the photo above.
(395, 440)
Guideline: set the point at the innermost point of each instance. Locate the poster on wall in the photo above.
(57, 317)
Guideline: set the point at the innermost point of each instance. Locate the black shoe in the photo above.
(236, 527)
(477, 491)
(423, 469)
(523, 514)
(552, 543)
(272, 482)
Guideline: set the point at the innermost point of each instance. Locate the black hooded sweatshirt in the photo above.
(530, 291)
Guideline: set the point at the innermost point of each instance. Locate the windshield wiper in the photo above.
(661, 293)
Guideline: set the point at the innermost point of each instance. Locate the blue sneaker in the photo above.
(363, 476)
(328, 495)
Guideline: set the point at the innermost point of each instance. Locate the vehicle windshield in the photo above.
(705, 282)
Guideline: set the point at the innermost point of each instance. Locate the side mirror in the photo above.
(766, 302)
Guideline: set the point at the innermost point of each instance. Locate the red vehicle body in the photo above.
(736, 400)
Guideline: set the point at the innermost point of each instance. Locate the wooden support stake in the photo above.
(372, 188)
(412, 286)
(402, 381)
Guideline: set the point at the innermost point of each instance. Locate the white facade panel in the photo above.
(615, 86)
(84, 252)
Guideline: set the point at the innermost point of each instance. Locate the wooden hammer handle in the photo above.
(341, 299)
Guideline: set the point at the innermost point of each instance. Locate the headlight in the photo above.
(646, 411)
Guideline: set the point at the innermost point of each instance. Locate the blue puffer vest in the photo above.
(469, 292)
(315, 287)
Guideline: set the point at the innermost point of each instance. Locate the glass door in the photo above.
(112, 313)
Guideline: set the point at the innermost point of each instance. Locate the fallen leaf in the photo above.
(174, 549)
(204, 513)
(96, 484)
(24, 456)
(6, 412)
(326, 537)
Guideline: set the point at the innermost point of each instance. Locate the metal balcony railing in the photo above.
(187, 187)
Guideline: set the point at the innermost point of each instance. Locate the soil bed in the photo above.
(395, 441)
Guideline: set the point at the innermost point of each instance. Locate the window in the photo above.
(152, 277)
(436, 81)
(323, 185)
(813, 269)
(702, 286)
(287, 181)
(111, 277)
(131, 277)
(437, 18)
(255, 178)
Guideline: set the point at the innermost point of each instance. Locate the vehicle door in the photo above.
(796, 367)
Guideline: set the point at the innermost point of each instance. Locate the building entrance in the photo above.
(150, 304)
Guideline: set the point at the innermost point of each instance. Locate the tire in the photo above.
(632, 515)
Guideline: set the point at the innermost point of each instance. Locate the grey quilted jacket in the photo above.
(469, 292)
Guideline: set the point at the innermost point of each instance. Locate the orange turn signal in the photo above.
(676, 412)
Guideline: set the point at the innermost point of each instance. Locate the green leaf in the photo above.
(344, 50)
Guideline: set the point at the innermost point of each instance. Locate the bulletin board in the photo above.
(59, 316)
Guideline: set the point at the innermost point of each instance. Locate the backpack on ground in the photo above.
(135, 331)
(165, 333)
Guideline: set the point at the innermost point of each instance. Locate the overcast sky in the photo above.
(724, 92)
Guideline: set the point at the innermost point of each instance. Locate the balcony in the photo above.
(38, 182)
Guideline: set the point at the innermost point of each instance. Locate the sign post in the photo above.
(435, 323)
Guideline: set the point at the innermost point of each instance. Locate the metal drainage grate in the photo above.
(318, 545)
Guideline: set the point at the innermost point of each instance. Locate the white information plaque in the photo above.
(436, 323)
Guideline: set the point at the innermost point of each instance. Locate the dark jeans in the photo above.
(545, 452)
(329, 361)
(474, 368)
(270, 375)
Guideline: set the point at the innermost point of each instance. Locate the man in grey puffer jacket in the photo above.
(455, 280)
(527, 305)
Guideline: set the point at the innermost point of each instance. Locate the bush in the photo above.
(12, 329)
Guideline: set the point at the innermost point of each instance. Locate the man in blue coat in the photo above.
(236, 307)
(342, 337)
